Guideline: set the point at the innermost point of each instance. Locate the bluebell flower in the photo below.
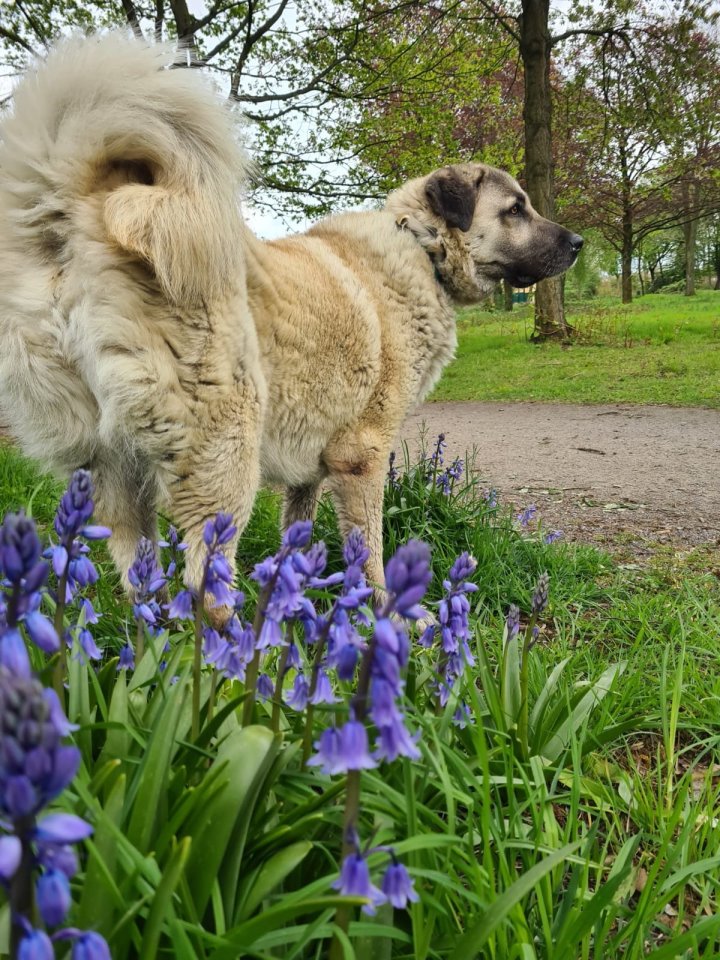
(407, 576)
(36, 945)
(355, 551)
(394, 740)
(298, 534)
(354, 747)
(219, 531)
(181, 606)
(540, 593)
(126, 659)
(90, 946)
(355, 881)
(24, 574)
(34, 767)
(58, 856)
(147, 577)
(265, 687)
(512, 623)
(392, 474)
(526, 516)
(297, 699)
(398, 886)
(53, 897)
(10, 856)
(323, 689)
(552, 536)
(490, 496)
(329, 756)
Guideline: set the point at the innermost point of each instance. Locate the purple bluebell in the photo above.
(540, 593)
(553, 536)
(398, 886)
(323, 689)
(512, 622)
(24, 574)
(355, 551)
(10, 856)
(407, 576)
(265, 687)
(392, 474)
(90, 946)
(526, 516)
(36, 945)
(88, 647)
(126, 658)
(298, 534)
(329, 756)
(354, 747)
(490, 496)
(146, 577)
(34, 766)
(181, 606)
(219, 531)
(69, 556)
(297, 699)
(354, 881)
(53, 897)
(58, 856)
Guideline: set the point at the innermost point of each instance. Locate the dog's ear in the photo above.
(453, 197)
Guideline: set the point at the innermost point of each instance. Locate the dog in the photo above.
(356, 322)
(127, 345)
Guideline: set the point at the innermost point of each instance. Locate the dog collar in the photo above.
(404, 228)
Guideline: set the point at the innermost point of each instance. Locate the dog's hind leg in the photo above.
(219, 473)
(300, 503)
(126, 501)
(356, 462)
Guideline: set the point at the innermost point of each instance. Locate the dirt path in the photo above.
(620, 475)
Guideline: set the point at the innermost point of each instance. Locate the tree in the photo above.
(635, 178)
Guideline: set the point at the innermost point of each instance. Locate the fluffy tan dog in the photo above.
(126, 341)
(356, 321)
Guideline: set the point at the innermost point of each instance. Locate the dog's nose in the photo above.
(576, 242)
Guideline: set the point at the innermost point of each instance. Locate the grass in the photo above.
(663, 348)
(608, 852)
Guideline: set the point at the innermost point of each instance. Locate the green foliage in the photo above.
(597, 841)
(623, 354)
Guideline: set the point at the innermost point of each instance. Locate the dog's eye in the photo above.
(515, 210)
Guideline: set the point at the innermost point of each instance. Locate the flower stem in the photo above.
(139, 642)
(60, 665)
(310, 716)
(197, 659)
(213, 694)
(251, 676)
(523, 721)
(277, 695)
(22, 900)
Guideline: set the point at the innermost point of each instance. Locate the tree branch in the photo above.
(132, 18)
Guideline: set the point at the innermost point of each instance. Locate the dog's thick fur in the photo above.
(126, 341)
(356, 322)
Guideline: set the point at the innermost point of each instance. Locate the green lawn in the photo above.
(664, 348)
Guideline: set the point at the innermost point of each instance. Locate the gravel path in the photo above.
(629, 475)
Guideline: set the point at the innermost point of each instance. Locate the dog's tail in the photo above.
(105, 139)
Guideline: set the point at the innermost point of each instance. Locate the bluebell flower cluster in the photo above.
(355, 881)
(146, 576)
(453, 628)
(553, 536)
(70, 555)
(393, 473)
(35, 767)
(525, 517)
(22, 577)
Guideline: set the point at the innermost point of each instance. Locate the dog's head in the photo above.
(478, 226)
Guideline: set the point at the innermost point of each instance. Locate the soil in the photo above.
(628, 477)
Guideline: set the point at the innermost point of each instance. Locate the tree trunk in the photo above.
(689, 229)
(535, 50)
(640, 277)
(627, 230)
(717, 267)
(507, 296)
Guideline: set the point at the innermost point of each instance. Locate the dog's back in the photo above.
(118, 208)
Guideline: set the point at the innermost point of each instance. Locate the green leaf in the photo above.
(162, 900)
(272, 873)
(150, 784)
(100, 895)
(469, 945)
(511, 692)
